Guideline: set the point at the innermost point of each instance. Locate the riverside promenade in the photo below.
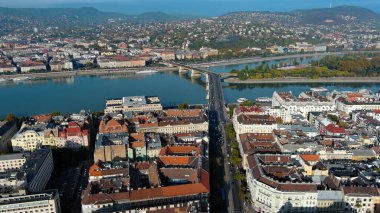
(282, 57)
(305, 80)
(93, 72)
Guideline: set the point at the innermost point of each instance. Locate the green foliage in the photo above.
(329, 66)
(231, 109)
(183, 106)
(247, 103)
(234, 144)
(235, 152)
(230, 131)
(235, 160)
(242, 192)
(55, 113)
(343, 124)
(95, 47)
(10, 117)
(333, 118)
(90, 65)
(240, 176)
(356, 65)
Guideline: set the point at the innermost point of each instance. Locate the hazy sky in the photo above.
(195, 7)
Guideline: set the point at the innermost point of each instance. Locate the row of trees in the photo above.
(356, 65)
(306, 72)
(236, 160)
(329, 66)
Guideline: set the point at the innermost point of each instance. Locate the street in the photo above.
(217, 124)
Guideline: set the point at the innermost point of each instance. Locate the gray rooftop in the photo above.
(330, 195)
(112, 139)
(5, 126)
(298, 127)
(365, 152)
(12, 156)
(153, 141)
(134, 101)
(33, 164)
(28, 198)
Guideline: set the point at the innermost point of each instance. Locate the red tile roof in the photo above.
(248, 109)
(361, 190)
(183, 113)
(310, 157)
(177, 160)
(96, 171)
(335, 129)
(42, 118)
(168, 191)
(180, 150)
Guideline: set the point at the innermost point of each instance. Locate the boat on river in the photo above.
(241, 100)
(21, 78)
(146, 72)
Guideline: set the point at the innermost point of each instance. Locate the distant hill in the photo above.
(336, 15)
(69, 17)
(153, 17)
(83, 15)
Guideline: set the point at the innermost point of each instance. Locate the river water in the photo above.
(228, 68)
(72, 94)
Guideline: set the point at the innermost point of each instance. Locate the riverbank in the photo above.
(283, 57)
(305, 80)
(93, 72)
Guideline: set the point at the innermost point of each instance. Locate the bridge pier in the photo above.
(182, 70)
(195, 73)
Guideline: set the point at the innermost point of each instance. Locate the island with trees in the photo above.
(328, 66)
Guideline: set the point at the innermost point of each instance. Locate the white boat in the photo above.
(3, 79)
(22, 78)
(146, 71)
(319, 89)
(241, 100)
(263, 99)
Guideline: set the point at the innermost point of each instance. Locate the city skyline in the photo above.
(194, 7)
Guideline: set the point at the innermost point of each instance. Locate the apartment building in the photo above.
(38, 169)
(351, 101)
(69, 132)
(133, 104)
(277, 185)
(361, 199)
(305, 103)
(47, 202)
(247, 123)
(28, 138)
(12, 161)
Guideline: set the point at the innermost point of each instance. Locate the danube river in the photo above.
(71, 94)
(228, 68)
